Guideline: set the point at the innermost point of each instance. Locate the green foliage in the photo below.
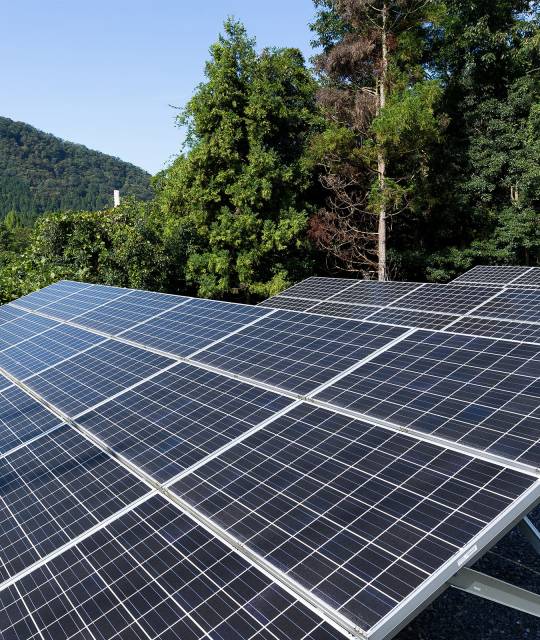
(40, 173)
(127, 246)
(242, 189)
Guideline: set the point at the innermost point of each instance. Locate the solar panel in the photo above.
(46, 349)
(79, 383)
(446, 298)
(154, 573)
(476, 391)
(376, 293)
(492, 274)
(343, 310)
(193, 325)
(22, 328)
(288, 304)
(512, 304)
(70, 306)
(54, 489)
(412, 452)
(412, 319)
(503, 329)
(52, 293)
(358, 515)
(530, 278)
(22, 419)
(174, 420)
(297, 351)
(126, 311)
(318, 288)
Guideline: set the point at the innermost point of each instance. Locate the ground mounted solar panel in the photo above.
(343, 310)
(479, 392)
(154, 573)
(493, 274)
(319, 288)
(344, 517)
(360, 516)
(530, 278)
(512, 304)
(34, 354)
(54, 489)
(84, 380)
(288, 304)
(193, 325)
(504, 329)
(297, 352)
(413, 319)
(171, 422)
(378, 294)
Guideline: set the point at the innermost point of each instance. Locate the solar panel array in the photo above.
(316, 467)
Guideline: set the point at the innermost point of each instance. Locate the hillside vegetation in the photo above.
(41, 173)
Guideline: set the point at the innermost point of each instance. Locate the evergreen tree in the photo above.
(380, 122)
(242, 189)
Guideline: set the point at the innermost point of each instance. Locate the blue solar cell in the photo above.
(21, 419)
(359, 515)
(127, 311)
(476, 391)
(84, 380)
(154, 574)
(52, 293)
(26, 326)
(297, 351)
(54, 489)
(174, 420)
(193, 325)
(48, 348)
(86, 299)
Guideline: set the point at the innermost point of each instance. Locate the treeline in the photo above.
(409, 148)
(41, 173)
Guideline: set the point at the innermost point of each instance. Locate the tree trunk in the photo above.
(381, 160)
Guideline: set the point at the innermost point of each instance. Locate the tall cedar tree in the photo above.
(380, 110)
(242, 190)
(487, 170)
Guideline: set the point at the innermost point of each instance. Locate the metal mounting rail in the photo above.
(531, 533)
(489, 588)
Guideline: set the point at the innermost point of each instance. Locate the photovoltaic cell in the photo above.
(9, 312)
(21, 419)
(413, 319)
(343, 310)
(193, 325)
(22, 328)
(491, 274)
(480, 392)
(151, 574)
(46, 349)
(171, 422)
(512, 304)
(503, 329)
(289, 304)
(359, 515)
(74, 305)
(52, 293)
(54, 489)
(297, 351)
(127, 311)
(376, 293)
(318, 288)
(457, 298)
(530, 279)
(79, 383)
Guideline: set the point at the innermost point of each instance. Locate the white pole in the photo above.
(116, 195)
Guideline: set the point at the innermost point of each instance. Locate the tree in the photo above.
(380, 109)
(487, 167)
(242, 190)
(128, 247)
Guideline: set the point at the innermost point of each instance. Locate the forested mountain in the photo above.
(40, 173)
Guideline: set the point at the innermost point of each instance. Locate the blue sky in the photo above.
(103, 73)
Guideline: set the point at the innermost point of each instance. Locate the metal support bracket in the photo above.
(489, 588)
(531, 533)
